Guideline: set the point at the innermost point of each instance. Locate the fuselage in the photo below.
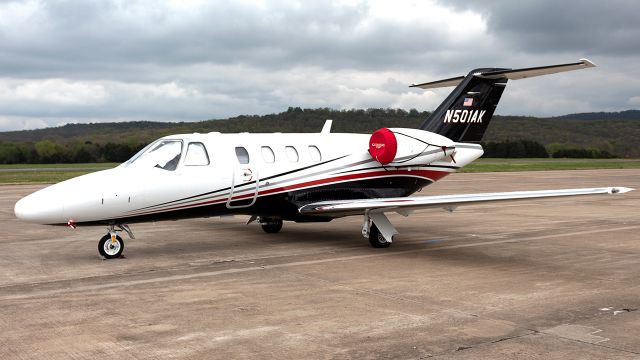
(199, 175)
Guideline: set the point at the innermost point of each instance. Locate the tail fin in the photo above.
(465, 114)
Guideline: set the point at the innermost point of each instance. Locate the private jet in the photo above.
(301, 177)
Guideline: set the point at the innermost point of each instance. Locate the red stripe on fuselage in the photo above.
(428, 174)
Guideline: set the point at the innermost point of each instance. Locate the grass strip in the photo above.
(13, 175)
(500, 165)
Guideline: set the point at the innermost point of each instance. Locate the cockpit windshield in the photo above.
(162, 154)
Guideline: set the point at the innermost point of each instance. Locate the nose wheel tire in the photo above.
(110, 249)
(272, 226)
(376, 239)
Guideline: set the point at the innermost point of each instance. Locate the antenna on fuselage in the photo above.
(326, 129)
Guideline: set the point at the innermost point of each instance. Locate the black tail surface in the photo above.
(465, 114)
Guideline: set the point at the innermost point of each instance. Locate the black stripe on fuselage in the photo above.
(241, 185)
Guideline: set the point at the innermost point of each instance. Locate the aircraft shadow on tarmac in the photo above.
(237, 238)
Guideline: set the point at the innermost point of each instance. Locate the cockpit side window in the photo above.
(163, 154)
(196, 155)
(242, 155)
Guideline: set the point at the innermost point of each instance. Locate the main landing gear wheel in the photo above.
(272, 226)
(111, 248)
(376, 239)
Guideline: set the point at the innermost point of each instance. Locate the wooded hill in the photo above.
(616, 132)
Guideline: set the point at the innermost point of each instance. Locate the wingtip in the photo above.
(588, 63)
(620, 190)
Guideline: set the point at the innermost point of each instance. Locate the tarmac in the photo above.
(534, 279)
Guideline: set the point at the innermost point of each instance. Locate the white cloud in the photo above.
(194, 60)
(54, 92)
(22, 123)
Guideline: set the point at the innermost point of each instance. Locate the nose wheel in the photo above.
(111, 246)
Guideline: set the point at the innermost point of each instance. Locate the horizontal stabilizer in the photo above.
(511, 74)
(353, 207)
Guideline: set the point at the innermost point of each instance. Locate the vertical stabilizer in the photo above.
(465, 114)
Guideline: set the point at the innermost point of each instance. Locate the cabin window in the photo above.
(292, 154)
(242, 155)
(163, 154)
(196, 155)
(314, 152)
(268, 155)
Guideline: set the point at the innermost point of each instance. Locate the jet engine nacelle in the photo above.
(409, 147)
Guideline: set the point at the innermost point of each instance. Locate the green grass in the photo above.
(49, 174)
(35, 177)
(493, 165)
(57, 166)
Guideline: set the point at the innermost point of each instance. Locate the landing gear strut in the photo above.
(378, 229)
(270, 226)
(111, 245)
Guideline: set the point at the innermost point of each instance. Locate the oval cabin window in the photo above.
(292, 154)
(268, 155)
(314, 152)
(242, 155)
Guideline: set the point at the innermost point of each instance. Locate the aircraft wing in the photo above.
(404, 205)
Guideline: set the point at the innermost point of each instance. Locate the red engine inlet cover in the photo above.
(383, 146)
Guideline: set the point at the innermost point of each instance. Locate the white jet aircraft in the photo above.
(295, 177)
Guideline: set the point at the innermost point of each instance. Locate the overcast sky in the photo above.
(85, 61)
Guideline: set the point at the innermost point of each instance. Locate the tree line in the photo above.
(533, 149)
(115, 142)
(50, 152)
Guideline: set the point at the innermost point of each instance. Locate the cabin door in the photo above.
(244, 182)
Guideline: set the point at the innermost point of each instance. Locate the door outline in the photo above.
(253, 177)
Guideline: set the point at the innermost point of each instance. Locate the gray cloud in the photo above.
(74, 61)
(589, 26)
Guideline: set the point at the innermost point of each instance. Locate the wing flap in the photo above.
(354, 207)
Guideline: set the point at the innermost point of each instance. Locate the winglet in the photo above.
(326, 129)
(588, 63)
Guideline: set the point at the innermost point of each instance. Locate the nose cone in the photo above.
(41, 207)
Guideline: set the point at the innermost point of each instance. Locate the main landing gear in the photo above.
(270, 225)
(378, 229)
(111, 245)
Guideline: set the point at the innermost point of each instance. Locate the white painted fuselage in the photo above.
(222, 179)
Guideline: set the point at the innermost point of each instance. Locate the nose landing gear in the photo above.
(111, 245)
